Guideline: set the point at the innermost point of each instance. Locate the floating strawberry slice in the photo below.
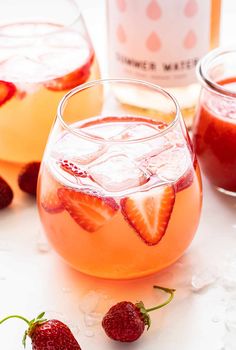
(149, 212)
(7, 91)
(73, 79)
(72, 169)
(89, 210)
(49, 199)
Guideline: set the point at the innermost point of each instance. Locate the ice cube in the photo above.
(230, 319)
(66, 290)
(75, 148)
(107, 130)
(23, 68)
(92, 319)
(118, 173)
(43, 247)
(228, 279)
(90, 301)
(137, 131)
(89, 332)
(203, 279)
(170, 164)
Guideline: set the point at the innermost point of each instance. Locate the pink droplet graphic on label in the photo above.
(190, 40)
(121, 4)
(191, 8)
(153, 10)
(121, 36)
(153, 42)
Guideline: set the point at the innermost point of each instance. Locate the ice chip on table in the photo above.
(230, 317)
(92, 319)
(228, 279)
(82, 151)
(89, 332)
(43, 247)
(203, 279)
(117, 173)
(90, 301)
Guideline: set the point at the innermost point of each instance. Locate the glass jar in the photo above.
(161, 42)
(214, 129)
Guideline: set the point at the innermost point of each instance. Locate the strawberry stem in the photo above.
(145, 312)
(167, 290)
(15, 316)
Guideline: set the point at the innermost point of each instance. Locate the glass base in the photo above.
(228, 193)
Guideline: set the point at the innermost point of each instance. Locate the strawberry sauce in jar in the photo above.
(214, 130)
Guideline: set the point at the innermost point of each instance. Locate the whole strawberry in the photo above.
(48, 334)
(28, 177)
(125, 321)
(6, 194)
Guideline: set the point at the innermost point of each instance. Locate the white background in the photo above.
(34, 279)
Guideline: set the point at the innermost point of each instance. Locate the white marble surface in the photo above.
(34, 279)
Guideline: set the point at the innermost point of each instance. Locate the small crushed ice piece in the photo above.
(66, 290)
(43, 247)
(92, 319)
(230, 318)
(90, 301)
(216, 319)
(203, 279)
(229, 276)
(4, 246)
(89, 332)
(52, 314)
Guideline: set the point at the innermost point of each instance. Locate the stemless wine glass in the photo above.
(45, 51)
(119, 193)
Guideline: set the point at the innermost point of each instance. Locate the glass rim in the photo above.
(203, 67)
(62, 26)
(71, 93)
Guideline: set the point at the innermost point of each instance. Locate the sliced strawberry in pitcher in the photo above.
(73, 79)
(149, 212)
(89, 210)
(7, 91)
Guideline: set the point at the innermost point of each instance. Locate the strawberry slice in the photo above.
(72, 169)
(71, 80)
(49, 198)
(89, 210)
(7, 91)
(149, 212)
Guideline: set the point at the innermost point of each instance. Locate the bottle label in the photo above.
(158, 41)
